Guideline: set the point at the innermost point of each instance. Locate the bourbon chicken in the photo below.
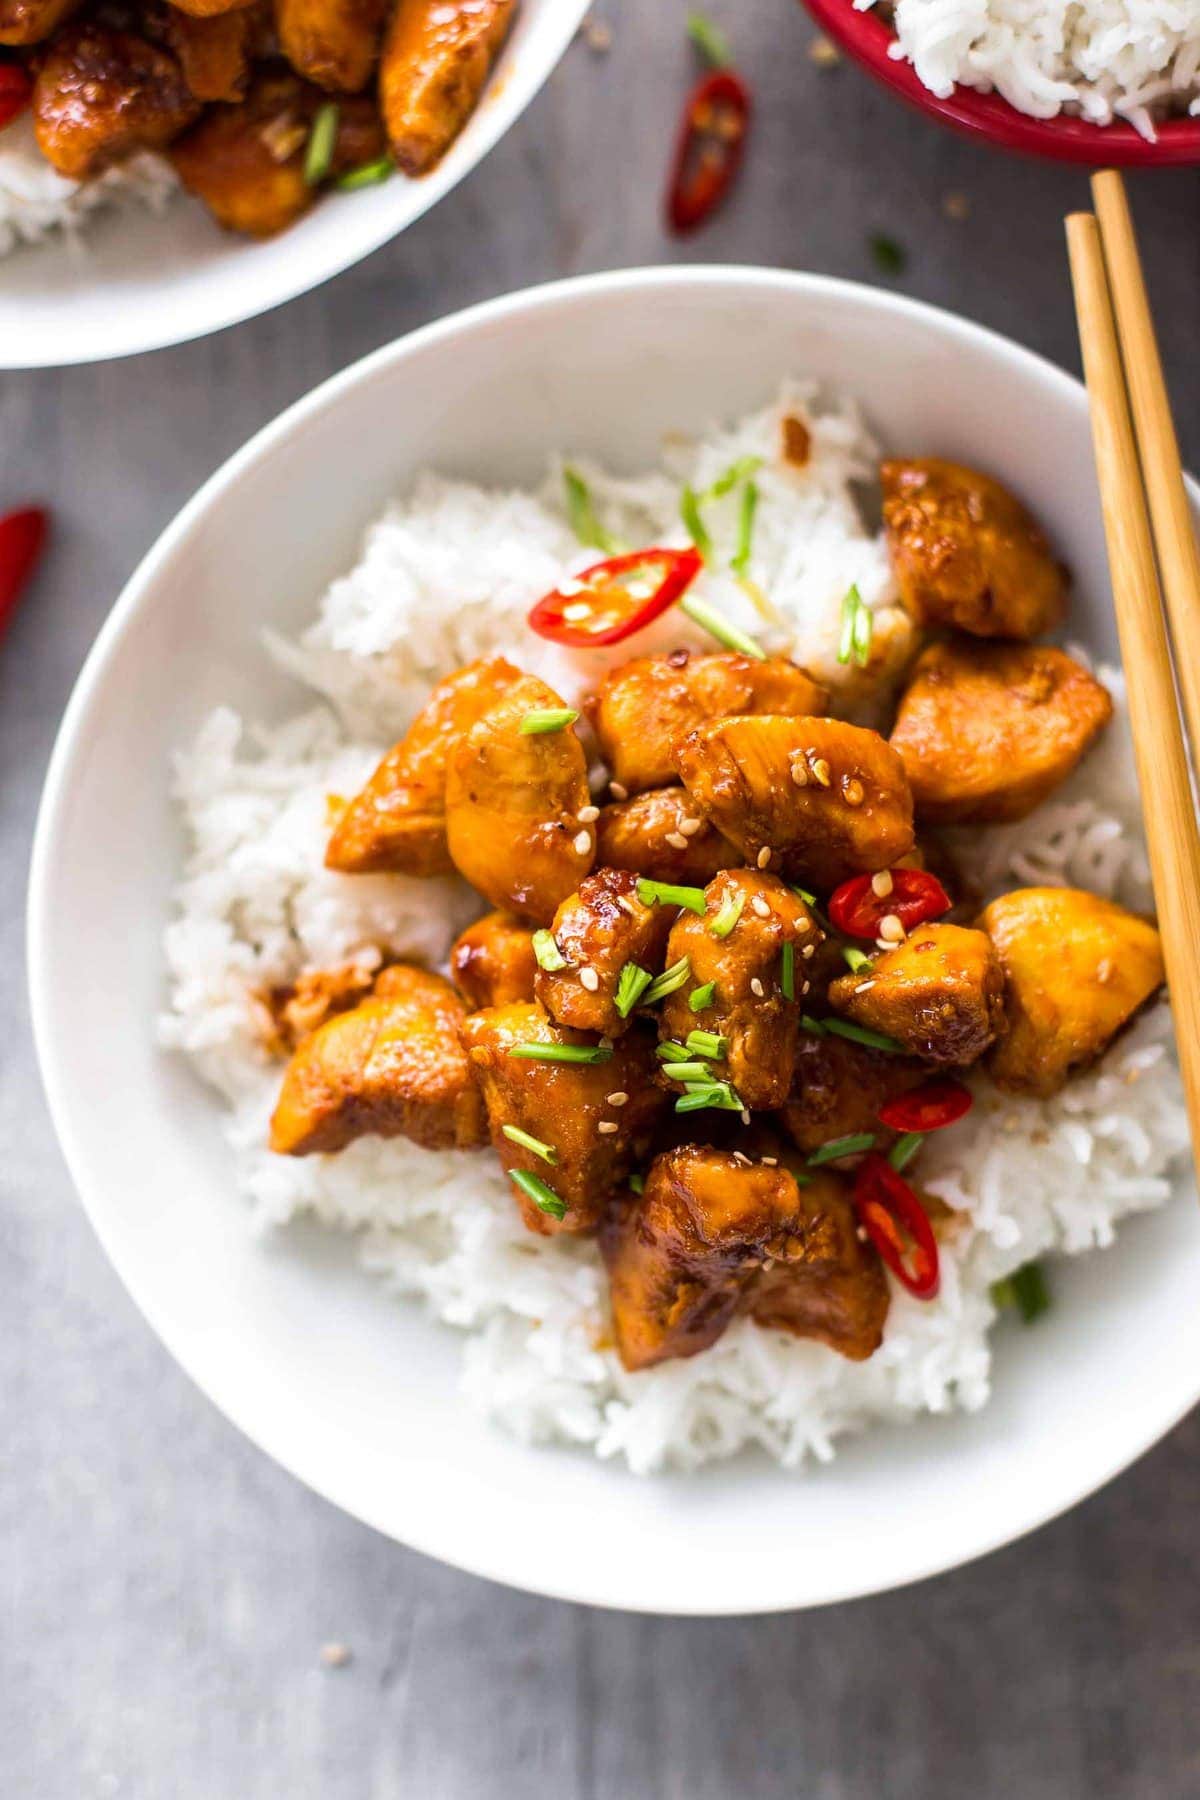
(939, 994)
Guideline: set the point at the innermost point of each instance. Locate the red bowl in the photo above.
(987, 118)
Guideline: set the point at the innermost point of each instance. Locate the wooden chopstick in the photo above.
(1158, 447)
(1171, 832)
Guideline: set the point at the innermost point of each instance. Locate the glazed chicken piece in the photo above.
(817, 798)
(391, 1067)
(987, 731)
(746, 966)
(659, 834)
(596, 1119)
(32, 21)
(713, 1238)
(513, 805)
(598, 931)
(210, 9)
(397, 824)
(437, 54)
(314, 996)
(333, 43)
(101, 94)
(940, 994)
(1076, 969)
(215, 53)
(643, 709)
(967, 553)
(839, 1087)
(492, 962)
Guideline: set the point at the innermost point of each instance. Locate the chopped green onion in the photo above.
(547, 718)
(1025, 1289)
(787, 970)
(741, 470)
(648, 892)
(718, 626)
(709, 39)
(689, 512)
(367, 174)
(816, 1026)
(631, 985)
(669, 1051)
(730, 912)
(546, 952)
(582, 514)
(562, 1053)
(739, 562)
(322, 136)
(707, 1043)
(669, 981)
(717, 1094)
(515, 1135)
(543, 1197)
(864, 631)
(637, 1184)
(889, 256)
(904, 1149)
(858, 1034)
(857, 627)
(855, 958)
(702, 996)
(810, 900)
(836, 1148)
(698, 1072)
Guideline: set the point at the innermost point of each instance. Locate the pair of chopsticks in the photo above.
(1153, 557)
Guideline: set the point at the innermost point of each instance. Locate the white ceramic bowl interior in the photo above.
(353, 1392)
(135, 280)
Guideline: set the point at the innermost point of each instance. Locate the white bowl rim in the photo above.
(1152, 1425)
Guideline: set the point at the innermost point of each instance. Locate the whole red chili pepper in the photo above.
(915, 896)
(15, 89)
(22, 535)
(898, 1225)
(613, 599)
(712, 141)
(930, 1107)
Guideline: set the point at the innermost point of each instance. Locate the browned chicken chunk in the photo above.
(209, 9)
(660, 834)
(391, 1067)
(644, 708)
(740, 946)
(940, 994)
(333, 43)
(595, 1119)
(32, 21)
(397, 824)
(437, 54)
(840, 1086)
(102, 94)
(492, 962)
(967, 553)
(1076, 969)
(215, 53)
(713, 1238)
(513, 800)
(987, 731)
(597, 933)
(817, 798)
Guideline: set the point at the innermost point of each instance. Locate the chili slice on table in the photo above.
(613, 599)
(897, 1224)
(712, 140)
(930, 1107)
(22, 535)
(914, 897)
(15, 90)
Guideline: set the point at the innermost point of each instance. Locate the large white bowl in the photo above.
(137, 280)
(353, 1392)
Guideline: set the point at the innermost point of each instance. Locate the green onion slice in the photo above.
(836, 1148)
(692, 1072)
(857, 626)
(697, 530)
(816, 1026)
(562, 1053)
(716, 1094)
(546, 952)
(547, 718)
(669, 1052)
(730, 912)
(707, 1043)
(858, 1034)
(367, 174)
(649, 892)
(741, 470)
(543, 1197)
(810, 900)
(1025, 1289)
(631, 985)
(637, 1184)
(322, 136)
(718, 626)
(787, 970)
(701, 997)
(669, 981)
(515, 1135)
(855, 958)
(904, 1149)
(709, 39)
(739, 562)
(581, 512)
(889, 256)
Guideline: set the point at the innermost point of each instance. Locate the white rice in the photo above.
(35, 201)
(447, 575)
(1102, 59)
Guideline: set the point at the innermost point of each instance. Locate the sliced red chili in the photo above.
(930, 1107)
(15, 89)
(712, 140)
(22, 535)
(915, 896)
(613, 599)
(898, 1225)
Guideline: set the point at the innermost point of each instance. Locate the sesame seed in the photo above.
(690, 827)
(618, 790)
(739, 1156)
(607, 1127)
(770, 1162)
(860, 1234)
(756, 988)
(583, 843)
(745, 1115)
(589, 979)
(760, 906)
(763, 858)
(852, 791)
(677, 840)
(588, 814)
(804, 986)
(891, 930)
(882, 883)
(1104, 970)
(881, 943)
(799, 771)
(619, 1098)
(809, 950)
(606, 1043)
(821, 772)
(628, 905)
(864, 987)
(336, 1656)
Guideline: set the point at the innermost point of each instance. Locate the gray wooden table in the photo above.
(166, 1592)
